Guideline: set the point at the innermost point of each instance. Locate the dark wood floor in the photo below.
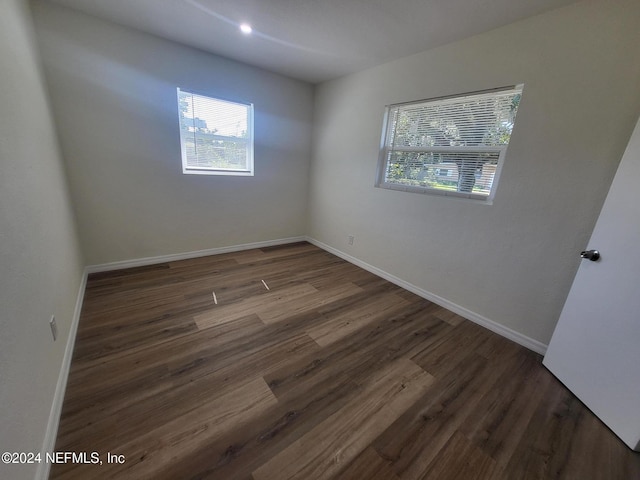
(325, 372)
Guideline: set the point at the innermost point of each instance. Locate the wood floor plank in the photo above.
(358, 357)
(368, 465)
(500, 418)
(325, 450)
(175, 438)
(269, 253)
(605, 456)
(247, 448)
(533, 451)
(220, 314)
(205, 423)
(459, 342)
(327, 277)
(138, 403)
(449, 317)
(229, 282)
(281, 310)
(414, 441)
(355, 318)
(461, 459)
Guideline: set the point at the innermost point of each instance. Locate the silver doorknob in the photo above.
(592, 255)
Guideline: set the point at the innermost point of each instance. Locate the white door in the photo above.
(595, 348)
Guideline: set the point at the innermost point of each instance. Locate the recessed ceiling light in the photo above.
(246, 28)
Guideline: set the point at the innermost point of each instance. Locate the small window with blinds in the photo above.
(448, 146)
(216, 136)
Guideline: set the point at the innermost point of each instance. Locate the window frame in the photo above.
(386, 150)
(190, 170)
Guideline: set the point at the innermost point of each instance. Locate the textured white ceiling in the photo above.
(314, 40)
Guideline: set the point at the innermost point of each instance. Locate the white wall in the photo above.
(511, 262)
(40, 261)
(113, 93)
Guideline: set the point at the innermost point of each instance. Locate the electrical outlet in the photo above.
(350, 239)
(54, 327)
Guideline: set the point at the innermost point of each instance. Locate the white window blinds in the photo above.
(216, 135)
(451, 146)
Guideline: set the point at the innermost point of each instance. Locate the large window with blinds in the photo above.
(448, 146)
(216, 136)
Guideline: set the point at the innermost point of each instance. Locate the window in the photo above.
(216, 136)
(448, 146)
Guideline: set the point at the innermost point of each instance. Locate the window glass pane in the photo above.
(217, 116)
(213, 152)
(216, 135)
(453, 144)
(479, 120)
(467, 172)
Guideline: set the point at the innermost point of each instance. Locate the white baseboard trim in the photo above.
(49, 443)
(141, 262)
(496, 327)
